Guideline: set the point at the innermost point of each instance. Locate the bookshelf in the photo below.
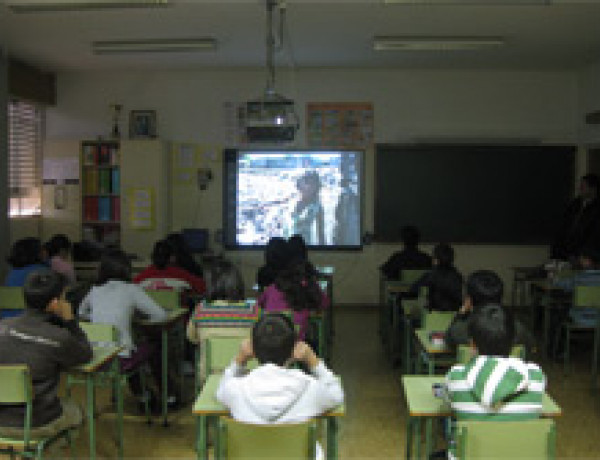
(101, 191)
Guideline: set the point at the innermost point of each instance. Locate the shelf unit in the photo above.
(101, 191)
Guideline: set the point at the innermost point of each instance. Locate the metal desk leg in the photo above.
(407, 342)
(546, 329)
(431, 365)
(418, 437)
(91, 403)
(165, 373)
(119, 395)
(332, 434)
(201, 447)
(181, 360)
(428, 436)
(409, 436)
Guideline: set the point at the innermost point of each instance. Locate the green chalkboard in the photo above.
(473, 193)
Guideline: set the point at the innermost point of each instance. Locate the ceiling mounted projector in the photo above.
(271, 118)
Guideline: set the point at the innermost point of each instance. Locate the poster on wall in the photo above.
(141, 208)
(339, 124)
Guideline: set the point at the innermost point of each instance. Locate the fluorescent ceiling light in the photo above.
(435, 43)
(37, 6)
(174, 45)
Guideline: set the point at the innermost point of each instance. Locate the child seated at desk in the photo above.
(225, 312)
(59, 256)
(273, 393)
(114, 300)
(296, 288)
(484, 287)
(25, 257)
(492, 385)
(48, 340)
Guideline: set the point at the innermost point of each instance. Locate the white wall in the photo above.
(409, 105)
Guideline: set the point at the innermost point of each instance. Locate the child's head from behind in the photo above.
(277, 253)
(492, 330)
(114, 265)
(410, 236)
(59, 245)
(273, 339)
(443, 255)
(24, 252)
(42, 287)
(297, 248)
(163, 254)
(299, 284)
(484, 287)
(224, 282)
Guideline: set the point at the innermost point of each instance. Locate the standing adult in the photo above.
(580, 224)
(410, 258)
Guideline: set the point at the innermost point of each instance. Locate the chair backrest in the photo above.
(437, 320)
(220, 351)
(99, 332)
(16, 388)
(586, 296)
(169, 300)
(409, 276)
(464, 353)
(521, 439)
(250, 441)
(11, 298)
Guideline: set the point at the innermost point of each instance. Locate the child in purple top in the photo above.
(295, 289)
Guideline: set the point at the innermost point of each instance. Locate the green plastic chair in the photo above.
(583, 296)
(169, 300)
(239, 441)
(489, 439)
(437, 320)
(17, 388)
(463, 353)
(220, 351)
(106, 333)
(12, 301)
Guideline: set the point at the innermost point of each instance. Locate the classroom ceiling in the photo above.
(319, 33)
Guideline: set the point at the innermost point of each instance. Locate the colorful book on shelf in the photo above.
(91, 181)
(104, 181)
(104, 154)
(104, 208)
(116, 209)
(115, 182)
(90, 208)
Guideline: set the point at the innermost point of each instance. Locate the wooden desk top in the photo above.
(423, 337)
(207, 404)
(102, 355)
(422, 403)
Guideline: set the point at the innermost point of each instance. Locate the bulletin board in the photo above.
(339, 124)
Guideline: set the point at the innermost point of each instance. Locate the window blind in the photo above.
(25, 156)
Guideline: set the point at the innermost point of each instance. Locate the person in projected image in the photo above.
(307, 215)
(347, 215)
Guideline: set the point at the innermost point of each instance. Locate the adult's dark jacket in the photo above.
(409, 259)
(458, 333)
(579, 228)
(444, 289)
(47, 345)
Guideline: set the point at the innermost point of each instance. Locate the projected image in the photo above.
(314, 194)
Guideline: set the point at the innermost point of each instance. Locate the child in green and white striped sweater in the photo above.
(492, 385)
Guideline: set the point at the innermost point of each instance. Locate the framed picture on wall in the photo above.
(142, 124)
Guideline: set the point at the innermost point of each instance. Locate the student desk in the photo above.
(325, 279)
(389, 315)
(207, 407)
(429, 353)
(175, 317)
(102, 357)
(423, 405)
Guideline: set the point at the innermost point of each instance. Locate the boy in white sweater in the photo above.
(272, 393)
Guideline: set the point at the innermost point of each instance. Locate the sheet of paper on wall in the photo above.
(61, 170)
(141, 212)
(186, 156)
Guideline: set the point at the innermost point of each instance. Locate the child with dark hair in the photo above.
(298, 251)
(114, 300)
(47, 338)
(296, 289)
(410, 258)
(272, 393)
(183, 254)
(483, 287)
(59, 255)
(25, 257)
(164, 274)
(492, 385)
(277, 254)
(224, 313)
(443, 281)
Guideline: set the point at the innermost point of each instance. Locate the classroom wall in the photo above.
(416, 105)
(589, 101)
